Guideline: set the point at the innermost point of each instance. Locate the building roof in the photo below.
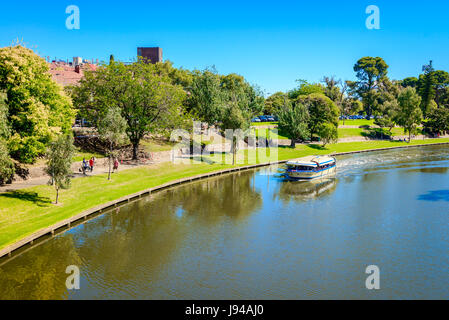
(65, 74)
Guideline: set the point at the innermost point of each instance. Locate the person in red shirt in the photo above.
(91, 164)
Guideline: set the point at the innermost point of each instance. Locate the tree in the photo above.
(4, 127)
(274, 103)
(409, 82)
(387, 105)
(426, 87)
(334, 89)
(38, 107)
(321, 110)
(242, 103)
(437, 120)
(370, 71)
(293, 121)
(328, 133)
(305, 89)
(59, 162)
(350, 106)
(177, 76)
(409, 114)
(206, 96)
(441, 86)
(112, 129)
(111, 59)
(6, 164)
(147, 100)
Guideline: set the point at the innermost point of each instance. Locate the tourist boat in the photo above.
(311, 167)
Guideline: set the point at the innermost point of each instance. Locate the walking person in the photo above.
(116, 163)
(91, 164)
(84, 166)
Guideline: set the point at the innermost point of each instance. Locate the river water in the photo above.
(253, 235)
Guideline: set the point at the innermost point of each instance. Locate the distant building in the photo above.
(77, 61)
(152, 55)
(67, 74)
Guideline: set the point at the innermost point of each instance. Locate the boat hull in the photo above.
(310, 175)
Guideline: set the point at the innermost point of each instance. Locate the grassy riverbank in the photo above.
(26, 211)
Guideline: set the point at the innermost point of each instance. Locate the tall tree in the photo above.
(409, 114)
(370, 71)
(59, 162)
(242, 102)
(147, 100)
(294, 122)
(441, 86)
(321, 110)
(206, 97)
(38, 107)
(6, 164)
(426, 87)
(112, 129)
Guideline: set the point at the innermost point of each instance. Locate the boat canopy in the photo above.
(312, 161)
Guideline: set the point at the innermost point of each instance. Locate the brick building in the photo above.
(152, 55)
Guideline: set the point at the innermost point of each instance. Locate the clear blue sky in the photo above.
(271, 43)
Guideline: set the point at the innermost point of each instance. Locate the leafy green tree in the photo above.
(335, 89)
(437, 120)
(206, 96)
(441, 86)
(410, 82)
(370, 72)
(426, 87)
(38, 107)
(147, 99)
(242, 103)
(350, 106)
(409, 114)
(321, 110)
(294, 122)
(178, 76)
(274, 103)
(6, 164)
(4, 127)
(305, 89)
(111, 59)
(112, 129)
(328, 133)
(387, 105)
(59, 162)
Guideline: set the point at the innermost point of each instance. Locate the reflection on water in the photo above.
(306, 190)
(254, 236)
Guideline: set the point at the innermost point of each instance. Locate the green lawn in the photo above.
(357, 122)
(260, 124)
(27, 211)
(263, 133)
(362, 132)
(156, 145)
